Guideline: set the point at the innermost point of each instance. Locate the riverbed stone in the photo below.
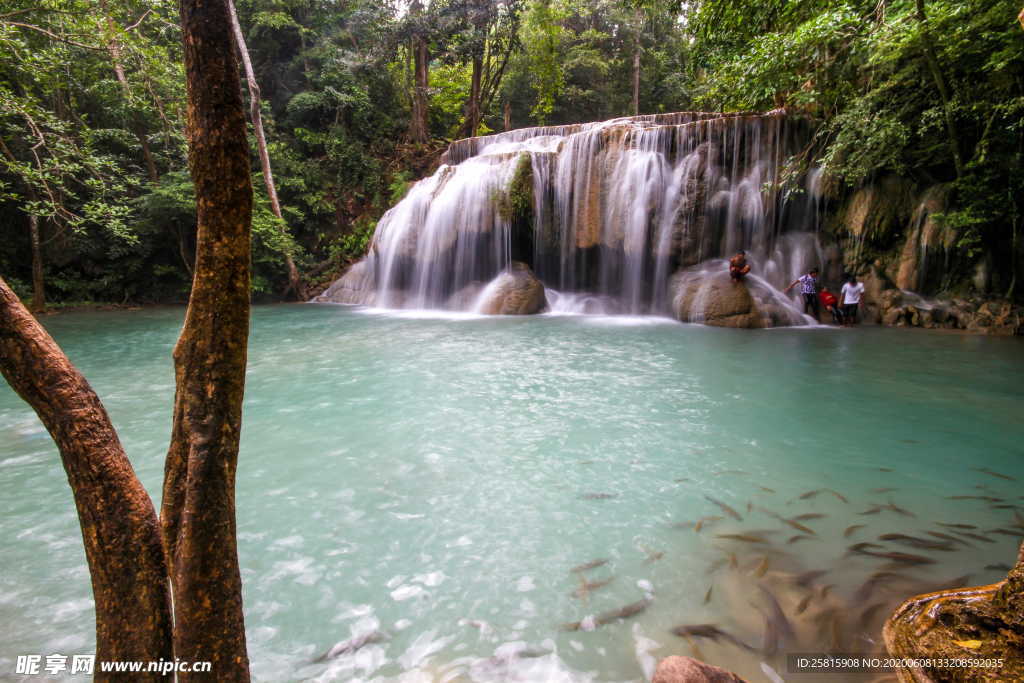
(677, 669)
(516, 291)
(714, 299)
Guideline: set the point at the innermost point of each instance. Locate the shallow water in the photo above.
(437, 477)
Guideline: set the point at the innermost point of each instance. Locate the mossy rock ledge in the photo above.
(982, 624)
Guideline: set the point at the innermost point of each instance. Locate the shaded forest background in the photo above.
(359, 97)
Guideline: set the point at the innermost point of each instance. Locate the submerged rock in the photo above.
(678, 669)
(516, 291)
(979, 624)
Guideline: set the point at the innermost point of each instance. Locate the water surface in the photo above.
(437, 477)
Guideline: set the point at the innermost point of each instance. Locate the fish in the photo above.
(750, 507)
(976, 537)
(993, 474)
(796, 525)
(868, 615)
(630, 610)
(909, 441)
(884, 469)
(957, 526)
(762, 567)
(806, 578)
(777, 616)
(863, 593)
(902, 558)
(707, 596)
(850, 529)
(597, 496)
(883, 490)
(916, 542)
(998, 567)
(1005, 507)
(746, 538)
(700, 522)
(809, 494)
(990, 499)
(803, 604)
(897, 509)
(873, 510)
(859, 547)
(680, 480)
(798, 537)
(837, 495)
(947, 537)
(766, 489)
(728, 510)
(711, 632)
(808, 516)
(825, 590)
(587, 587)
(593, 564)
(353, 644)
(1006, 532)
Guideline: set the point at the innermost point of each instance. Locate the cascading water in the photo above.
(605, 214)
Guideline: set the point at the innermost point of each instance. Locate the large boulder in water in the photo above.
(713, 299)
(516, 291)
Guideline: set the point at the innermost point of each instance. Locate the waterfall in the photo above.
(603, 213)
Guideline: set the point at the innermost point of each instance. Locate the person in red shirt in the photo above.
(830, 304)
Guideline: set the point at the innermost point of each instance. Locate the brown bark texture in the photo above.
(119, 525)
(418, 130)
(294, 281)
(940, 85)
(38, 285)
(198, 507)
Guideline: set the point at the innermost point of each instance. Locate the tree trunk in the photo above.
(38, 290)
(472, 122)
(119, 525)
(940, 84)
(198, 508)
(508, 115)
(637, 20)
(418, 128)
(294, 281)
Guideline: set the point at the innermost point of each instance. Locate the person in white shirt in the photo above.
(851, 299)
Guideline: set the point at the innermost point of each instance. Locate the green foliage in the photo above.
(515, 202)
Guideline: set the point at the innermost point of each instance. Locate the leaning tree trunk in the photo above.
(198, 509)
(294, 281)
(119, 525)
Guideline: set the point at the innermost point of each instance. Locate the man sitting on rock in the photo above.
(738, 266)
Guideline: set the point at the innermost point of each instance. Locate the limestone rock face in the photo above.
(714, 299)
(356, 286)
(516, 291)
(979, 623)
(689, 670)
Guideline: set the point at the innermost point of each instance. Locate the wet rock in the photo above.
(979, 623)
(516, 291)
(356, 286)
(689, 670)
(714, 299)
